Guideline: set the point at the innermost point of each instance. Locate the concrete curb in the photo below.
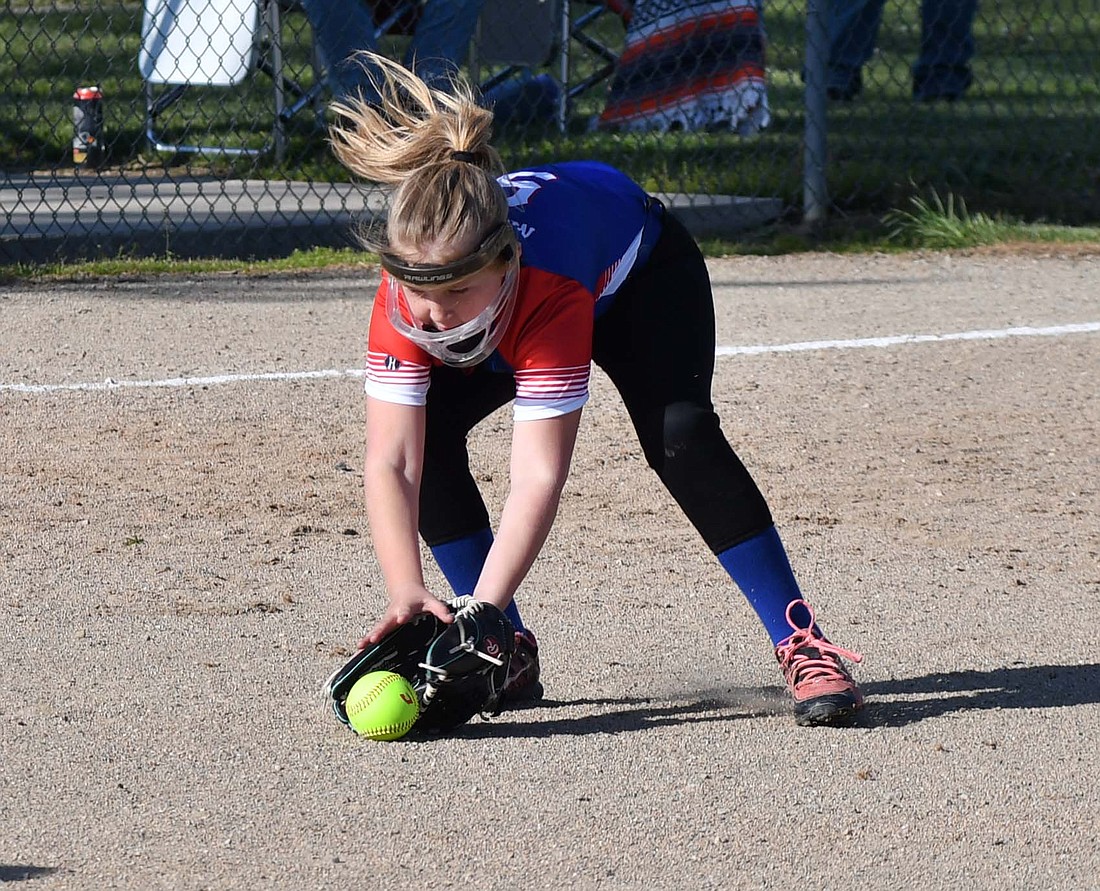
(48, 217)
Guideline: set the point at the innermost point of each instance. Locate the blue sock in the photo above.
(461, 561)
(762, 571)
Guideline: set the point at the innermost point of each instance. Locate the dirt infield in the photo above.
(184, 559)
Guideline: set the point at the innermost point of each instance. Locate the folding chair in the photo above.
(208, 43)
(520, 34)
(578, 31)
(390, 17)
(514, 35)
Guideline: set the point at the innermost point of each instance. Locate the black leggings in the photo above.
(656, 343)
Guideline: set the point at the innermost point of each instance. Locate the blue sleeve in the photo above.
(577, 219)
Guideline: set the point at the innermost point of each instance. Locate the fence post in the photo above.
(815, 189)
(275, 32)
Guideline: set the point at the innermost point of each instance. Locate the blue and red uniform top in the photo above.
(583, 227)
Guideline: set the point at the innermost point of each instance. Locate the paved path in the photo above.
(43, 217)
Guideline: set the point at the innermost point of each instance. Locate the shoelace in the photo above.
(807, 656)
(435, 676)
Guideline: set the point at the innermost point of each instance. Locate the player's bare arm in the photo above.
(391, 481)
(541, 454)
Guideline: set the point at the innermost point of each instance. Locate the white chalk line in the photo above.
(753, 350)
(902, 339)
(211, 381)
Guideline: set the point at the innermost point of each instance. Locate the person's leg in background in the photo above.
(441, 41)
(853, 27)
(342, 28)
(942, 70)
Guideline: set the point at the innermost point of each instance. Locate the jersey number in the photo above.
(522, 184)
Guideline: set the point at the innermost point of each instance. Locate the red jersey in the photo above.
(581, 225)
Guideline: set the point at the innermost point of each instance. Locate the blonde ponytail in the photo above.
(410, 141)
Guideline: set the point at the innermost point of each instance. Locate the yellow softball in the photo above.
(382, 705)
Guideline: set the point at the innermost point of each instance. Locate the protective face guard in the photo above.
(466, 344)
(473, 341)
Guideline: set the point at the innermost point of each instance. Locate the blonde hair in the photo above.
(410, 142)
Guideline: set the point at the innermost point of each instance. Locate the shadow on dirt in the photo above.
(894, 703)
(10, 872)
(891, 703)
(626, 715)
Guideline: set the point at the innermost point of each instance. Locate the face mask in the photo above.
(466, 344)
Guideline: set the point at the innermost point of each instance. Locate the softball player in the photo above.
(505, 287)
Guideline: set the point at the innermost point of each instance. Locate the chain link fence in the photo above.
(197, 127)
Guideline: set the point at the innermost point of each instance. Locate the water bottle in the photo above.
(88, 126)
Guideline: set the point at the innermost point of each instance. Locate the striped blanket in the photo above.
(691, 66)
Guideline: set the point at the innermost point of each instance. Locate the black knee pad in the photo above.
(687, 425)
(707, 479)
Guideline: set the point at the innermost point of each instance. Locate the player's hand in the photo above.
(404, 606)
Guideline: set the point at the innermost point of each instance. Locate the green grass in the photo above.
(942, 224)
(1023, 143)
(141, 267)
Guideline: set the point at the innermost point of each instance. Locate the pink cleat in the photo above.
(823, 690)
(523, 671)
